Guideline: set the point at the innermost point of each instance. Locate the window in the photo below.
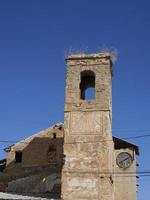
(52, 149)
(87, 85)
(18, 156)
(52, 154)
(54, 135)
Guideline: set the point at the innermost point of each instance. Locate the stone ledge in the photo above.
(89, 56)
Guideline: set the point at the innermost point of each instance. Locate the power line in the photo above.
(108, 175)
(131, 130)
(136, 137)
(111, 172)
(124, 138)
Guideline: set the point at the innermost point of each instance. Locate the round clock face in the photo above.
(124, 160)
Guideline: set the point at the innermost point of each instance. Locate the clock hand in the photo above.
(124, 160)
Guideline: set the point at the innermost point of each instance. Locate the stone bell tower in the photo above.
(88, 146)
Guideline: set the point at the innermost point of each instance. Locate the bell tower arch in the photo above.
(88, 142)
(87, 80)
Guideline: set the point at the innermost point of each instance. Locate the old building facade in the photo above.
(34, 164)
(79, 159)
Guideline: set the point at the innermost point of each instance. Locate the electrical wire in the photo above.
(124, 138)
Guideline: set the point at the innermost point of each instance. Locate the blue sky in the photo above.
(35, 36)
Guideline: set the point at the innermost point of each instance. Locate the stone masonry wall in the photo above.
(87, 130)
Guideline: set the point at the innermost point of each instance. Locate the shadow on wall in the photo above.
(36, 169)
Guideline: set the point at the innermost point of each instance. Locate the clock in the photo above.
(124, 160)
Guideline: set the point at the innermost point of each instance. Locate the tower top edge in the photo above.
(97, 55)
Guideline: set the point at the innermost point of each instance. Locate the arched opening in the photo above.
(87, 85)
(90, 93)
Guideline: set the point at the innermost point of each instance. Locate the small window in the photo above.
(52, 154)
(52, 149)
(87, 85)
(60, 128)
(54, 135)
(18, 156)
